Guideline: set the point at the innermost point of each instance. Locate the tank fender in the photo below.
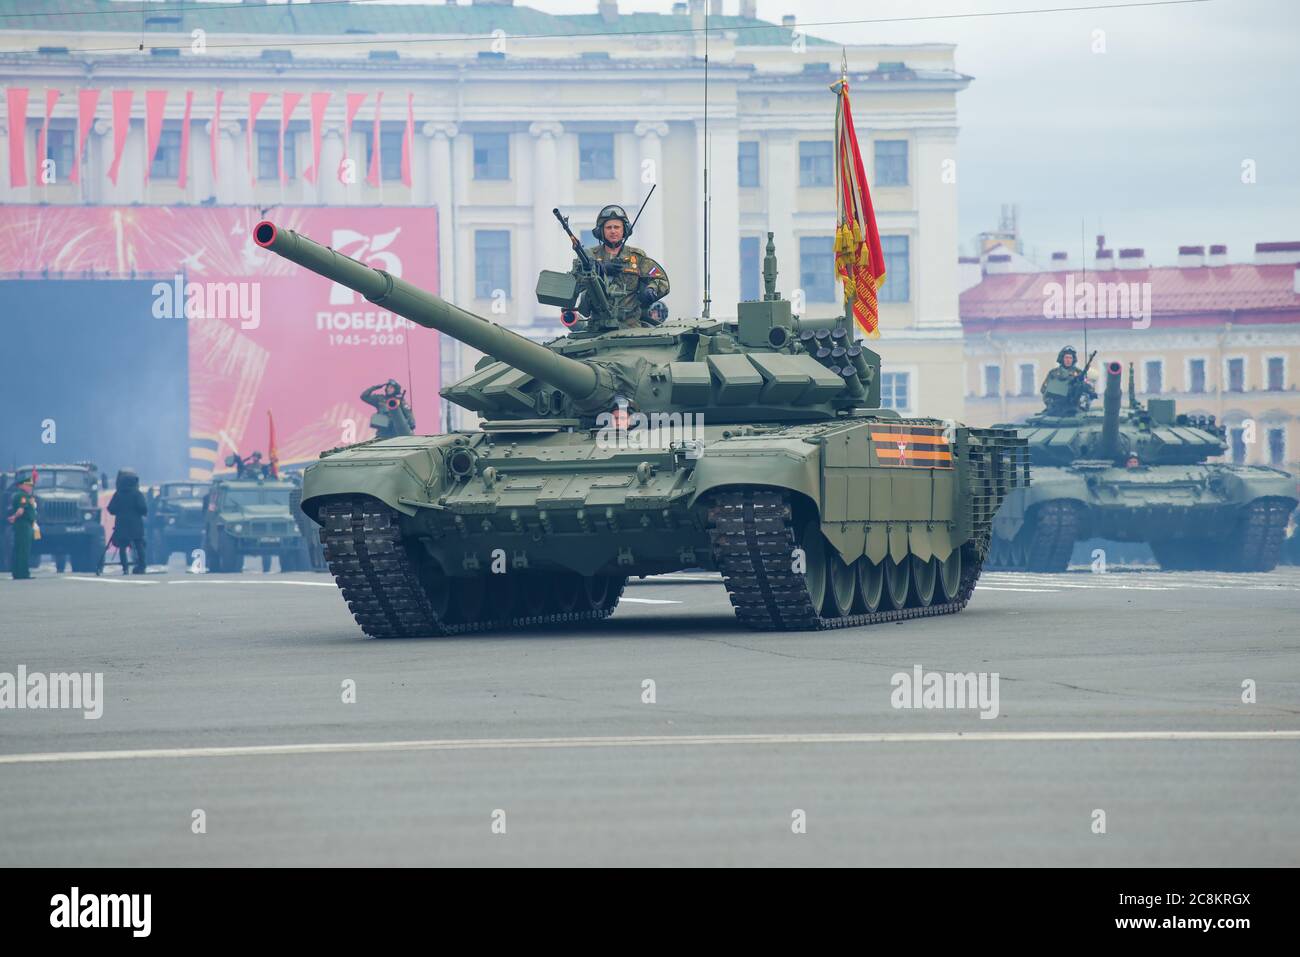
(395, 471)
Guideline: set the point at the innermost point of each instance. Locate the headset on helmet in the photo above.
(608, 213)
(1068, 350)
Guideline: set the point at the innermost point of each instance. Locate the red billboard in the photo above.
(263, 335)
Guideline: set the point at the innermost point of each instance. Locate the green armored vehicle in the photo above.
(175, 522)
(251, 513)
(754, 447)
(68, 514)
(1139, 475)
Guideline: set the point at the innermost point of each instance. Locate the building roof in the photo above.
(328, 19)
(1175, 291)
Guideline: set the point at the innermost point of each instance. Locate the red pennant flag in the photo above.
(408, 139)
(287, 105)
(273, 453)
(318, 103)
(215, 139)
(51, 97)
(858, 258)
(185, 139)
(255, 103)
(373, 176)
(354, 104)
(17, 102)
(121, 126)
(155, 103)
(87, 100)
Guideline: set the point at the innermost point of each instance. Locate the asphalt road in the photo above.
(1118, 692)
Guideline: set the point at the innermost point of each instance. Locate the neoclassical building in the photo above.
(515, 112)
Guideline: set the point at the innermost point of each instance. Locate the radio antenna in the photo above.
(707, 195)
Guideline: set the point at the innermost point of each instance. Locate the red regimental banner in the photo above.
(121, 126)
(264, 334)
(16, 99)
(155, 104)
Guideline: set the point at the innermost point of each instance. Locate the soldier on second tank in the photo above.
(635, 280)
(1064, 386)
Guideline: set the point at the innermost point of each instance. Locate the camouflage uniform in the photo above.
(639, 272)
(1063, 386)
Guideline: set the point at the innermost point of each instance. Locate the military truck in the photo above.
(68, 513)
(247, 514)
(175, 520)
(756, 446)
(1141, 474)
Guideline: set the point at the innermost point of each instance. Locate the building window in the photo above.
(992, 381)
(1277, 446)
(891, 163)
(1196, 375)
(268, 154)
(491, 263)
(815, 163)
(390, 153)
(1237, 444)
(167, 161)
(895, 390)
(1236, 375)
(897, 282)
(1276, 366)
(749, 268)
(491, 155)
(59, 146)
(747, 163)
(1153, 376)
(596, 155)
(1027, 378)
(817, 268)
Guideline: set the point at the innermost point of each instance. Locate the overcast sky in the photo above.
(1144, 142)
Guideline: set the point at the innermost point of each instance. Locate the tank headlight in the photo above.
(171, 520)
(237, 528)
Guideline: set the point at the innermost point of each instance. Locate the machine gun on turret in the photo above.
(563, 289)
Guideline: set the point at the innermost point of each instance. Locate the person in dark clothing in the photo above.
(128, 508)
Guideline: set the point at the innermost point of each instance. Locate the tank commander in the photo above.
(1064, 386)
(635, 280)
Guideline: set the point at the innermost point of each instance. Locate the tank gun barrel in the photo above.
(578, 380)
(1110, 408)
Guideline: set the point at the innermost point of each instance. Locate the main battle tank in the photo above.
(755, 447)
(1141, 475)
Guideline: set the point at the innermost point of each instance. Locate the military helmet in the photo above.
(21, 476)
(608, 213)
(1067, 351)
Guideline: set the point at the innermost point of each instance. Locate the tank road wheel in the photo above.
(813, 545)
(435, 584)
(924, 576)
(898, 581)
(568, 591)
(599, 590)
(535, 593)
(950, 575)
(871, 585)
(841, 585)
(502, 595)
(471, 597)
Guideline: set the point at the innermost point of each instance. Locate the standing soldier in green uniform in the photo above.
(22, 516)
(635, 280)
(1065, 385)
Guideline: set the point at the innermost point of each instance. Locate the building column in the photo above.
(650, 227)
(724, 215)
(200, 185)
(94, 171)
(440, 190)
(548, 250)
(230, 172)
(328, 188)
(779, 174)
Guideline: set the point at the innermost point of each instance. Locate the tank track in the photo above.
(752, 534)
(1257, 544)
(381, 583)
(1055, 530)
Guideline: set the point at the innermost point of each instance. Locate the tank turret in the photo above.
(768, 363)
